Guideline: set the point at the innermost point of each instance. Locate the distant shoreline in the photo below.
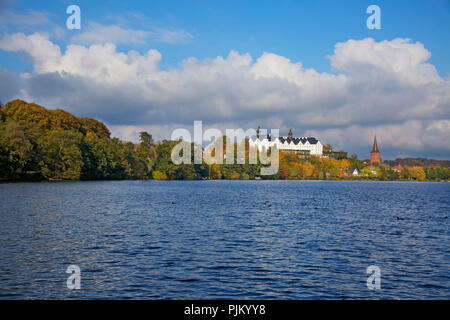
(203, 180)
(46, 145)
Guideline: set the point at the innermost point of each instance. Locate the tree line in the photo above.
(41, 144)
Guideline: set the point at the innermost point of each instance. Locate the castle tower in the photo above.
(375, 153)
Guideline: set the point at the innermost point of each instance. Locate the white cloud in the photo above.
(429, 138)
(131, 132)
(171, 36)
(96, 33)
(31, 18)
(44, 54)
(387, 87)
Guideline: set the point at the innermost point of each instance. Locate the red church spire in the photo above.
(375, 145)
(375, 153)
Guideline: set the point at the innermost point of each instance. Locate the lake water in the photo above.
(225, 239)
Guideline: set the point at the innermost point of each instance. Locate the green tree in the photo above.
(61, 155)
(147, 152)
(16, 150)
(366, 172)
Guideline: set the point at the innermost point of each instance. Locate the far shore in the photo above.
(202, 180)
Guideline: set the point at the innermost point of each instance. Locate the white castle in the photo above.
(308, 145)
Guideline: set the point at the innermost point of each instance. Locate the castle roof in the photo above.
(296, 140)
(290, 138)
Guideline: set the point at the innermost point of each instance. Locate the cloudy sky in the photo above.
(312, 66)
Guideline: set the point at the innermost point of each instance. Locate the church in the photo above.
(375, 153)
(303, 145)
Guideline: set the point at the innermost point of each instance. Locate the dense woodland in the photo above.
(417, 162)
(40, 144)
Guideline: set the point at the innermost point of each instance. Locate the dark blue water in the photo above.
(225, 239)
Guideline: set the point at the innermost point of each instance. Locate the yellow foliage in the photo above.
(345, 163)
(308, 169)
(158, 175)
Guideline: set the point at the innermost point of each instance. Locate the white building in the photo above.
(288, 143)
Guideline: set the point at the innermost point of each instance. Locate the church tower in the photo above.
(375, 153)
(289, 139)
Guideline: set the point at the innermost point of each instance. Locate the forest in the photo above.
(38, 144)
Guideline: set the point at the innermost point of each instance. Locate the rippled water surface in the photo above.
(225, 239)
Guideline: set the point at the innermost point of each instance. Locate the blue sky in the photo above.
(277, 36)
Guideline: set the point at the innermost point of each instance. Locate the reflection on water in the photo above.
(224, 239)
